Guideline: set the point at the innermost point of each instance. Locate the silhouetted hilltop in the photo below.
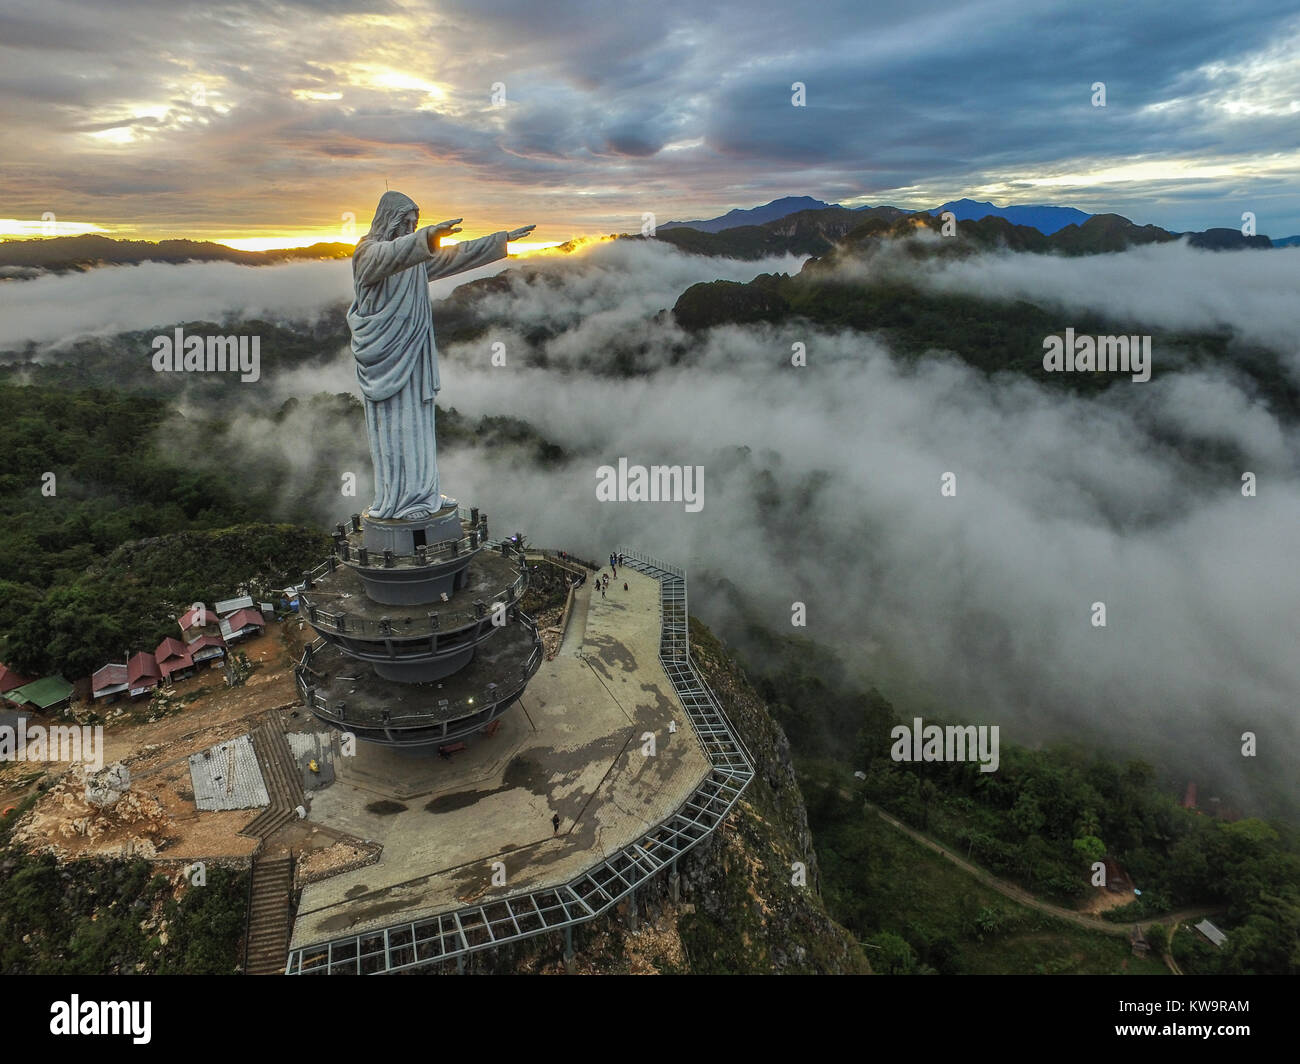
(83, 252)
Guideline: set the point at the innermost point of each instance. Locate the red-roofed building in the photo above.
(10, 679)
(173, 659)
(109, 682)
(196, 618)
(206, 648)
(142, 673)
(242, 624)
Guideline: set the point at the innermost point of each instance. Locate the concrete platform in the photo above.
(572, 747)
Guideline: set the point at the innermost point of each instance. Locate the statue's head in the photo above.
(396, 215)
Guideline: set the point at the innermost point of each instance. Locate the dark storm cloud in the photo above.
(1020, 88)
(670, 101)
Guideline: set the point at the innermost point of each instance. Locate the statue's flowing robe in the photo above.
(397, 359)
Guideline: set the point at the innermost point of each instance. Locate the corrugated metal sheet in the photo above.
(1211, 932)
(236, 622)
(169, 647)
(10, 679)
(142, 667)
(188, 618)
(42, 693)
(109, 680)
(227, 776)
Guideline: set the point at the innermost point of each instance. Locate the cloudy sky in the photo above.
(151, 118)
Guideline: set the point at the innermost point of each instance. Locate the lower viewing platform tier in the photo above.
(351, 695)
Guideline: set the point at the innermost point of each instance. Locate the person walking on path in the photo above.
(555, 823)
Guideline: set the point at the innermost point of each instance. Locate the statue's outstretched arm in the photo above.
(458, 258)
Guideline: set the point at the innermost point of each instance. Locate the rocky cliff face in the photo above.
(754, 884)
(746, 906)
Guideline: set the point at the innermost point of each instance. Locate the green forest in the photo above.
(147, 513)
(93, 566)
(1040, 821)
(114, 916)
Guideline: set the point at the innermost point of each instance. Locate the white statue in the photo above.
(392, 339)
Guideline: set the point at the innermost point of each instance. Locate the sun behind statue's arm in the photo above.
(469, 255)
(435, 233)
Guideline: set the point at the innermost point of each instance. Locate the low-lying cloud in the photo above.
(1167, 286)
(822, 486)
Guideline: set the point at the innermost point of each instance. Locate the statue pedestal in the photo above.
(413, 560)
(403, 535)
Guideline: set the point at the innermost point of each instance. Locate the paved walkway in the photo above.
(573, 747)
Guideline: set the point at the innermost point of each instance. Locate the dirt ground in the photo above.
(157, 817)
(322, 852)
(1100, 899)
(551, 630)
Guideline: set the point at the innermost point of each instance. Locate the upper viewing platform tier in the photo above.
(421, 641)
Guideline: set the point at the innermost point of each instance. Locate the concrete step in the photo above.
(269, 821)
(268, 916)
(279, 767)
(280, 773)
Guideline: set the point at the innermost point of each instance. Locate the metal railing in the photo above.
(320, 705)
(433, 554)
(447, 936)
(341, 622)
(564, 558)
(721, 742)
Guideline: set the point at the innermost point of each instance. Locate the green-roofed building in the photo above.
(43, 694)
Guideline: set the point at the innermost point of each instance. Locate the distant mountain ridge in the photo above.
(819, 232)
(768, 212)
(1046, 219)
(813, 227)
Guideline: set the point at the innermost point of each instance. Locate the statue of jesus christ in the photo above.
(397, 358)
